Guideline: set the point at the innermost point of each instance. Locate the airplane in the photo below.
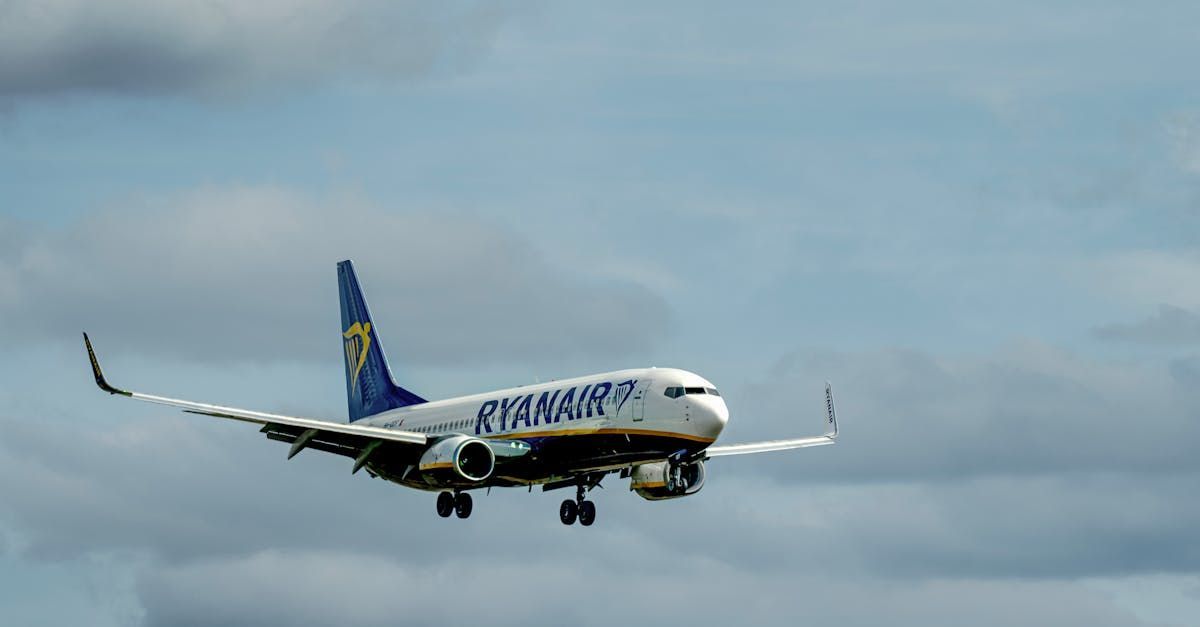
(653, 426)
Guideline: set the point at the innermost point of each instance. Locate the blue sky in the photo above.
(980, 222)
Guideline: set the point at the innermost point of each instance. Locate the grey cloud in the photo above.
(108, 474)
(1028, 410)
(247, 274)
(955, 500)
(1061, 528)
(221, 521)
(317, 588)
(214, 48)
(1169, 326)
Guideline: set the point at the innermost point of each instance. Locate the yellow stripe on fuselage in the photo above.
(608, 431)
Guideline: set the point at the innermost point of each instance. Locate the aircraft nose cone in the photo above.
(714, 417)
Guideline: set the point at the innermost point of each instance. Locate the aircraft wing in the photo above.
(334, 437)
(829, 437)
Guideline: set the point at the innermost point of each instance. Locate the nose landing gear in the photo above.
(581, 509)
(458, 503)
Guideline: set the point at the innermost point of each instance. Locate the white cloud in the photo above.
(1184, 132)
(248, 274)
(1146, 277)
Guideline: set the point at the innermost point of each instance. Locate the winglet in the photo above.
(96, 372)
(830, 413)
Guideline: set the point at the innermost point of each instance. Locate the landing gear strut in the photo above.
(581, 509)
(458, 503)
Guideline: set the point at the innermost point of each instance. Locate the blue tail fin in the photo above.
(370, 388)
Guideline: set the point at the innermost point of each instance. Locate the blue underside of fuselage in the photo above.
(554, 457)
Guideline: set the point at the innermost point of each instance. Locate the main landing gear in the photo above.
(457, 502)
(581, 509)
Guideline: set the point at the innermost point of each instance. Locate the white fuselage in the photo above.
(624, 402)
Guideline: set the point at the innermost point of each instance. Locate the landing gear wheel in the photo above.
(445, 504)
(587, 513)
(462, 504)
(567, 512)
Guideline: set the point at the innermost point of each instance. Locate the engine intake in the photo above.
(660, 480)
(458, 458)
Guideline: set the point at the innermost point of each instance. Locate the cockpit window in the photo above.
(676, 392)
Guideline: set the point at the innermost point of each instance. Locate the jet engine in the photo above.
(457, 459)
(664, 480)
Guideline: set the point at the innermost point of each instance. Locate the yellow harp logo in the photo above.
(358, 341)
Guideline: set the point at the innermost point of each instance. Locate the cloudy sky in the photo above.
(981, 222)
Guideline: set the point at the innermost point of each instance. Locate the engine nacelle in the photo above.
(457, 459)
(658, 481)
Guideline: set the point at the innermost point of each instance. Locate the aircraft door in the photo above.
(639, 402)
